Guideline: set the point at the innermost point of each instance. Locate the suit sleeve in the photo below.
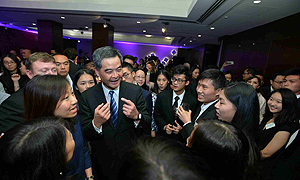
(158, 115)
(87, 115)
(141, 106)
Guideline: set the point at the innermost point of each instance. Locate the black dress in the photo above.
(266, 136)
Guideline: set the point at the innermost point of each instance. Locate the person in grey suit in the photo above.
(108, 111)
(211, 82)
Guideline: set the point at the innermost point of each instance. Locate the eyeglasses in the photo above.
(279, 82)
(179, 81)
(125, 75)
(10, 62)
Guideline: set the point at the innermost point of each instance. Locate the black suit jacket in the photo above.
(163, 111)
(265, 91)
(73, 69)
(12, 111)
(209, 113)
(109, 146)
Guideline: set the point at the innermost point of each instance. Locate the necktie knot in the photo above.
(111, 93)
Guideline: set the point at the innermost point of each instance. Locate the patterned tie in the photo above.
(175, 105)
(113, 109)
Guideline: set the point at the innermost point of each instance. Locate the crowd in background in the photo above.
(69, 116)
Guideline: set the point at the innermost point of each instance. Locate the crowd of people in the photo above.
(68, 117)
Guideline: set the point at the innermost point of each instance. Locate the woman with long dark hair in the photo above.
(279, 123)
(83, 79)
(12, 79)
(52, 96)
(36, 150)
(238, 105)
(223, 147)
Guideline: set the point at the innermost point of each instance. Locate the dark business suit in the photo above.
(163, 111)
(209, 113)
(73, 69)
(12, 111)
(265, 91)
(143, 128)
(109, 146)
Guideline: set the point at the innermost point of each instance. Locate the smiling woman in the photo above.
(52, 96)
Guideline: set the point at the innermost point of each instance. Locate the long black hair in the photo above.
(288, 114)
(164, 73)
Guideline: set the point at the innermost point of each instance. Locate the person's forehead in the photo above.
(7, 59)
(60, 58)
(290, 77)
(40, 64)
(125, 69)
(140, 72)
(179, 76)
(128, 61)
(206, 81)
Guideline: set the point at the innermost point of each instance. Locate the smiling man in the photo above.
(12, 109)
(108, 112)
(63, 67)
(167, 103)
(209, 87)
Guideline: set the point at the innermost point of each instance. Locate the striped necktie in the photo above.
(113, 109)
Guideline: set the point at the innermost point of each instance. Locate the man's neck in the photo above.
(179, 92)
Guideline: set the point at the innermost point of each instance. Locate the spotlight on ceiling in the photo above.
(138, 22)
(168, 38)
(33, 24)
(63, 17)
(144, 31)
(148, 35)
(86, 27)
(164, 29)
(256, 2)
(212, 28)
(199, 35)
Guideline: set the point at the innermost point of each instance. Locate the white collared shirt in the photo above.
(70, 81)
(108, 98)
(298, 96)
(204, 107)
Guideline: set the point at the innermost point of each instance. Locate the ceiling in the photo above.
(187, 18)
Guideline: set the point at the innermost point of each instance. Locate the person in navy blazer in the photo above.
(109, 141)
(210, 85)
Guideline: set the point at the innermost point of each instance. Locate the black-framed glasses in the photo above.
(179, 80)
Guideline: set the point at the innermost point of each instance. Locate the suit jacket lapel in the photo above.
(208, 110)
(197, 113)
(122, 93)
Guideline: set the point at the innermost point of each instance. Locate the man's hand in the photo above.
(102, 114)
(129, 109)
(183, 115)
(15, 77)
(176, 128)
(169, 128)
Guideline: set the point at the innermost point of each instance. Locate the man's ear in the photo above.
(97, 72)
(29, 74)
(271, 81)
(133, 74)
(187, 83)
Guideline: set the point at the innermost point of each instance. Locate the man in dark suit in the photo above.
(210, 85)
(167, 103)
(276, 82)
(108, 111)
(12, 109)
(63, 68)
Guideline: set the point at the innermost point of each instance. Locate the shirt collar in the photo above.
(106, 91)
(180, 96)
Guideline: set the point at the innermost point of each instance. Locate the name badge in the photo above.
(270, 125)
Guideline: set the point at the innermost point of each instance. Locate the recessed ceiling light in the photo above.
(191, 41)
(199, 35)
(33, 24)
(63, 17)
(144, 31)
(78, 41)
(26, 29)
(212, 28)
(256, 2)
(86, 27)
(75, 30)
(105, 25)
(138, 22)
(10, 23)
(163, 30)
(69, 38)
(183, 44)
(148, 35)
(169, 38)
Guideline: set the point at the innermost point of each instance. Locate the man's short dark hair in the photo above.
(71, 53)
(105, 52)
(293, 71)
(130, 57)
(251, 70)
(182, 69)
(127, 65)
(217, 77)
(273, 76)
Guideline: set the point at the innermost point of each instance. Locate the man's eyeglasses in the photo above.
(125, 75)
(179, 80)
